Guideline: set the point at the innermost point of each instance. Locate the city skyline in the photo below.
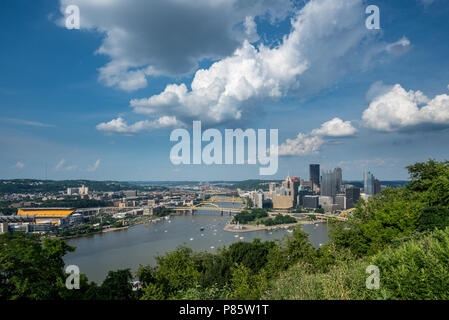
(98, 104)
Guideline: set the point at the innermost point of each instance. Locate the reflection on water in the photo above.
(97, 254)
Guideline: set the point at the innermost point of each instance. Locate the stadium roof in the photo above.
(46, 212)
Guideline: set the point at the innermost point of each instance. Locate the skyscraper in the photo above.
(339, 177)
(259, 197)
(294, 189)
(292, 185)
(329, 184)
(377, 187)
(314, 171)
(368, 183)
(352, 196)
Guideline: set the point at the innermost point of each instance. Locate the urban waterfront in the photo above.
(139, 245)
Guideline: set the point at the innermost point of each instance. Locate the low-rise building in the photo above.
(310, 202)
(340, 201)
(282, 202)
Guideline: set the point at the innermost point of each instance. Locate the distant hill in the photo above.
(50, 186)
(250, 185)
(393, 184)
(44, 186)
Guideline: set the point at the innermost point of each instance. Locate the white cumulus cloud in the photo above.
(335, 128)
(310, 143)
(119, 125)
(303, 144)
(169, 37)
(397, 109)
(325, 42)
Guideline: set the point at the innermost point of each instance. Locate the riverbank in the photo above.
(250, 228)
(141, 244)
(138, 221)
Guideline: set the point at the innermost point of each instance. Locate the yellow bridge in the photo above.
(206, 206)
(226, 200)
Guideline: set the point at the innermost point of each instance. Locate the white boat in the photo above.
(241, 238)
(165, 231)
(202, 235)
(212, 247)
(236, 236)
(191, 239)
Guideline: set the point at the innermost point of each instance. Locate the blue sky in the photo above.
(304, 64)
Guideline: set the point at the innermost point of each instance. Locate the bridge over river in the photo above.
(212, 204)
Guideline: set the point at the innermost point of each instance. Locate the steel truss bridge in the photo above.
(226, 200)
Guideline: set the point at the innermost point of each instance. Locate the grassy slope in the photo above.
(416, 269)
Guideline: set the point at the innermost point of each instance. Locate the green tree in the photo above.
(252, 255)
(246, 285)
(291, 250)
(392, 214)
(433, 218)
(117, 286)
(31, 269)
(153, 291)
(176, 271)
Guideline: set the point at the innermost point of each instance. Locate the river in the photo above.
(97, 254)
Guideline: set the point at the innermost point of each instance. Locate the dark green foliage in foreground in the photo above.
(183, 273)
(433, 218)
(30, 268)
(417, 269)
(396, 213)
